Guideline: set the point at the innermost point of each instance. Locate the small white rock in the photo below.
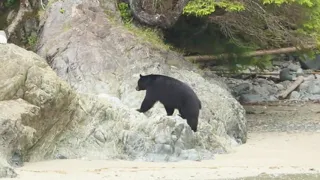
(294, 95)
(3, 37)
(279, 86)
(299, 71)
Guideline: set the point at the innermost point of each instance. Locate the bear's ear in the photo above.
(140, 75)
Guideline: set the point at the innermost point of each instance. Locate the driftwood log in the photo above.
(204, 58)
(291, 88)
(260, 73)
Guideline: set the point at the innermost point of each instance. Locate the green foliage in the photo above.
(207, 7)
(309, 13)
(62, 10)
(9, 3)
(210, 41)
(66, 26)
(32, 41)
(50, 2)
(145, 34)
(149, 35)
(237, 61)
(261, 23)
(309, 3)
(311, 24)
(237, 64)
(40, 13)
(125, 12)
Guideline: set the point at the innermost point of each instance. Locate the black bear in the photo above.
(173, 94)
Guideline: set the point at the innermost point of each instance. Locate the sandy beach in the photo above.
(264, 153)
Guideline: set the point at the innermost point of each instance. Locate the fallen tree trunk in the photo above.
(291, 88)
(260, 73)
(255, 53)
(247, 73)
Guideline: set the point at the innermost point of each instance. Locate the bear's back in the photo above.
(172, 91)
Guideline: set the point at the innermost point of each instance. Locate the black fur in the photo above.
(173, 94)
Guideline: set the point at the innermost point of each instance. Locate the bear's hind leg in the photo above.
(181, 114)
(191, 116)
(193, 123)
(169, 110)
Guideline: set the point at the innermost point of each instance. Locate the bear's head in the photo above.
(144, 82)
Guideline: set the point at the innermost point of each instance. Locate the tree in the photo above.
(163, 13)
(263, 24)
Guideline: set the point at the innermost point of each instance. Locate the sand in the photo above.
(264, 153)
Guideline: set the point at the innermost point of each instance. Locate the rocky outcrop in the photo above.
(89, 111)
(43, 118)
(7, 171)
(34, 102)
(96, 56)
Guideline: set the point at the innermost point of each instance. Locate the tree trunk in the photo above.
(291, 88)
(24, 8)
(160, 19)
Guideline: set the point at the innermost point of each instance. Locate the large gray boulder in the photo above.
(42, 117)
(6, 171)
(95, 55)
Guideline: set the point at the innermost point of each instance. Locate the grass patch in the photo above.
(40, 13)
(148, 35)
(66, 26)
(32, 41)
(50, 2)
